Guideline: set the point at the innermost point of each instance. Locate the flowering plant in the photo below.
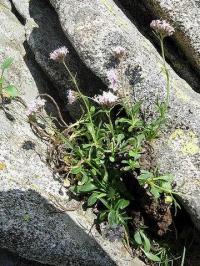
(101, 155)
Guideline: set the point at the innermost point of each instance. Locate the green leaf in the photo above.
(112, 159)
(11, 91)
(7, 63)
(87, 187)
(102, 216)
(105, 203)
(134, 154)
(122, 204)
(94, 197)
(155, 192)
(137, 238)
(76, 170)
(168, 178)
(145, 175)
(112, 217)
(151, 256)
(146, 242)
(85, 178)
(1, 80)
(120, 137)
(166, 185)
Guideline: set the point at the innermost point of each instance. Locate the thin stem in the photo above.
(166, 70)
(84, 100)
(55, 104)
(111, 126)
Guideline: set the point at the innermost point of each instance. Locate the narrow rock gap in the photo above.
(17, 14)
(141, 17)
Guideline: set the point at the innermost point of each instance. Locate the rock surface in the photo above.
(31, 221)
(185, 16)
(44, 34)
(94, 29)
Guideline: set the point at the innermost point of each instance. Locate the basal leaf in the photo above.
(7, 63)
(151, 256)
(11, 91)
(137, 238)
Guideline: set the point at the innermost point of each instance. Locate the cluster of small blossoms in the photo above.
(162, 27)
(59, 54)
(71, 96)
(107, 99)
(35, 106)
(119, 52)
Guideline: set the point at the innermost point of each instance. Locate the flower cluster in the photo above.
(119, 52)
(59, 54)
(35, 106)
(107, 99)
(71, 96)
(112, 78)
(162, 27)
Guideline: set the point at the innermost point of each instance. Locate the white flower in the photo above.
(108, 99)
(59, 54)
(162, 27)
(112, 78)
(71, 96)
(119, 51)
(35, 106)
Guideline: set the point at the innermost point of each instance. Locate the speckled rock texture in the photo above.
(33, 223)
(43, 35)
(185, 17)
(94, 29)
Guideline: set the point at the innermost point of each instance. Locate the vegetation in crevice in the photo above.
(106, 159)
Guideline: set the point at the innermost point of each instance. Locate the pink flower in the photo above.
(119, 52)
(35, 106)
(59, 54)
(112, 78)
(108, 99)
(71, 96)
(162, 27)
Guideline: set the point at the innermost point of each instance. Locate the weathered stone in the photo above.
(185, 17)
(31, 223)
(5, 3)
(142, 16)
(94, 29)
(44, 34)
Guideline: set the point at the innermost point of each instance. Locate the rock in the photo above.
(184, 15)
(34, 222)
(141, 15)
(94, 29)
(44, 34)
(5, 3)
(9, 259)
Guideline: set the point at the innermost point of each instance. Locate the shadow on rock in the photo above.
(33, 228)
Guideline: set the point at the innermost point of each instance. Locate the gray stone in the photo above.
(44, 34)
(5, 3)
(34, 222)
(185, 17)
(94, 29)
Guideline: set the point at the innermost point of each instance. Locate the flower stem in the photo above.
(166, 71)
(84, 100)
